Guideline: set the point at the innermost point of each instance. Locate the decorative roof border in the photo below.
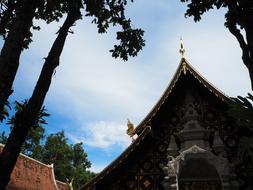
(118, 160)
(41, 163)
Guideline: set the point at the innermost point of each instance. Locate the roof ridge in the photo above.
(50, 166)
(183, 66)
(205, 79)
(171, 84)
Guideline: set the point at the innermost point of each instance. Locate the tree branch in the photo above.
(232, 18)
(237, 33)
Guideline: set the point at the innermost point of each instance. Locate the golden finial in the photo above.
(130, 129)
(181, 50)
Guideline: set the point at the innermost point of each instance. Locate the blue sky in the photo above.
(92, 94)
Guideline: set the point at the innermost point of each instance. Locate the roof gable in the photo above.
(143, 129)
(29, 173)
(184, 68)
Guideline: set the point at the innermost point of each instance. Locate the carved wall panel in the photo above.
(147, 172)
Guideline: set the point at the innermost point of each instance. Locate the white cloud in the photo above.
(97, 168)
(101, 134)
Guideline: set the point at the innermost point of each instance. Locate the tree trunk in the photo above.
(12, 48)
(249, 39)
(246, 46)
(237, 20)
(26, 119)
(251, 76)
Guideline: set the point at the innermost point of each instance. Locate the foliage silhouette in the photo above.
(105, 13)
(238, 20)
(241, 109)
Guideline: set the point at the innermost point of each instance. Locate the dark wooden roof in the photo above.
(118, 160)
(183, 69)
(144, 128)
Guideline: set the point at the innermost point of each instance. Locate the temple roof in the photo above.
(29, 173)
(144, 128)
(184, 68)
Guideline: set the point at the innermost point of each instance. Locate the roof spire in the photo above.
(181, 50)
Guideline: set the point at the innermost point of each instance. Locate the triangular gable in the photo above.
(143, 128)
(29, 173)
(183, 69)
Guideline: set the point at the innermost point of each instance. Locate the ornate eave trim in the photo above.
(183, 69)
(214, 90)
(49, 166)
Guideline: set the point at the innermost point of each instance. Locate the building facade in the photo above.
(180, 143)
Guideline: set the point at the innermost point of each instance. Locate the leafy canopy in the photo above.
(32, 145)
(105, 13)
(241, 109)
(70, 161)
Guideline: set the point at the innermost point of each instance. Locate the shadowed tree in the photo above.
(32, 145)
(6, 15)
(81, 164)
(70, 161)
(238, 20)
(17, 29)
(56, 151)
(242, 110)
(105, 13)
(3, 138)
(20, 23)
(16, 21)
(25, 120)
(5, 114)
